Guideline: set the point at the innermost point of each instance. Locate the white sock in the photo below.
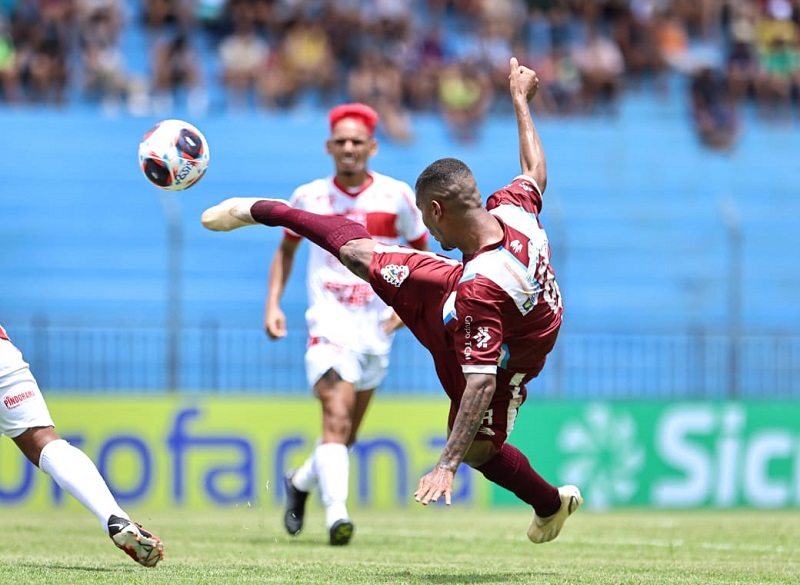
(77, 475)
(332, 461)
(305, 478)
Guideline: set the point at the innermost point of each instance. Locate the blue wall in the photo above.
(633, 208)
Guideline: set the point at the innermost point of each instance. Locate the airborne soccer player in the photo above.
(488, 323)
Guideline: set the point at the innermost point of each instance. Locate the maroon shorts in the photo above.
(499, 418)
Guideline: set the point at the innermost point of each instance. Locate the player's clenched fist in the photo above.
(523, 81)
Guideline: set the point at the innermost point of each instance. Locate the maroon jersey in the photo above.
(3, 334)
(417, 285)
(506, 311)
(499, 313)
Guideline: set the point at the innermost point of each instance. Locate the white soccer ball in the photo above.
(173, 155)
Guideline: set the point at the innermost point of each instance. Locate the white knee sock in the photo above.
(72, 469)
(332, 461)
(305, 478)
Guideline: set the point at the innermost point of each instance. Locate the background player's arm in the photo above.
(280, 270)
(474, 403)
(392, 324)
(523, 84)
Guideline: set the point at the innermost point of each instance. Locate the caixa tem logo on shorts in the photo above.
(395, 274)
(17, 399)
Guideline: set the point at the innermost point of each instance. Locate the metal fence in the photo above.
(216, 359)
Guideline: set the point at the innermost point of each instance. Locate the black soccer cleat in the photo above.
(341, 532)
(141, 545)
(295, 506)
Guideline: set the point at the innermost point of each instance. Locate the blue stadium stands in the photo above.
(636, 210)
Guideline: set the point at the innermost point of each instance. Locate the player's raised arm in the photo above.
(523, 84)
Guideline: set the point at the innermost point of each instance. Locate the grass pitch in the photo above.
(434, 546)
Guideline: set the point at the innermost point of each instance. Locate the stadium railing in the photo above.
(209, 358)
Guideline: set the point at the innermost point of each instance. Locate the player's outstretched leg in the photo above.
(546, 529)
(329, 232)
(232, 213)
(142, 546)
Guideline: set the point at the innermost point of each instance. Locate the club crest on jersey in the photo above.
(395, 274)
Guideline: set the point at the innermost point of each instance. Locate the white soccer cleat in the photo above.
(229, 215)
(232, 213)
(141, 545)
(546, 529)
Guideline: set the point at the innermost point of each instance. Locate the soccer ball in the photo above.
(173, 155)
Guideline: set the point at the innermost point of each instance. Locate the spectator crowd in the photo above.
(406, 56)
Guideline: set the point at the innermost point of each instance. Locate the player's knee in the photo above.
(480, 452)
(34, 440)
(336, 427)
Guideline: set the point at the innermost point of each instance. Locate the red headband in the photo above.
(362, 112)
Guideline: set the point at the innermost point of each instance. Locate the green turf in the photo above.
(412, 546)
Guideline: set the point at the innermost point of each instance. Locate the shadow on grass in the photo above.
(62, 567)
(471, 578)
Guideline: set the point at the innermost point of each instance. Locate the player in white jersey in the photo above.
(489, 324)
(350, 328)
(25, 419)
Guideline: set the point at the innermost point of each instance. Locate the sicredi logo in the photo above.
(686, 455)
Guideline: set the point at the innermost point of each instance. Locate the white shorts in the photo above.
(364, 371)
(22, 405)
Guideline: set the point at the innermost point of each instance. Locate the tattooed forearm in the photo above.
(476, 399)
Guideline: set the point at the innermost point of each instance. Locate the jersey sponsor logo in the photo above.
(17, 399)
(528, 304)
(516, 246)
(482, 337)
(395, 274)
(468, 337)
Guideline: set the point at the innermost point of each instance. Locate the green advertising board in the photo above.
(168, 452)
(224, 451)
(667, 454)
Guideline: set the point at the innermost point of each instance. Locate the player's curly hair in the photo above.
(451, 182)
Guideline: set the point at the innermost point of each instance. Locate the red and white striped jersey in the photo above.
(506, 309)
(341, 307)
